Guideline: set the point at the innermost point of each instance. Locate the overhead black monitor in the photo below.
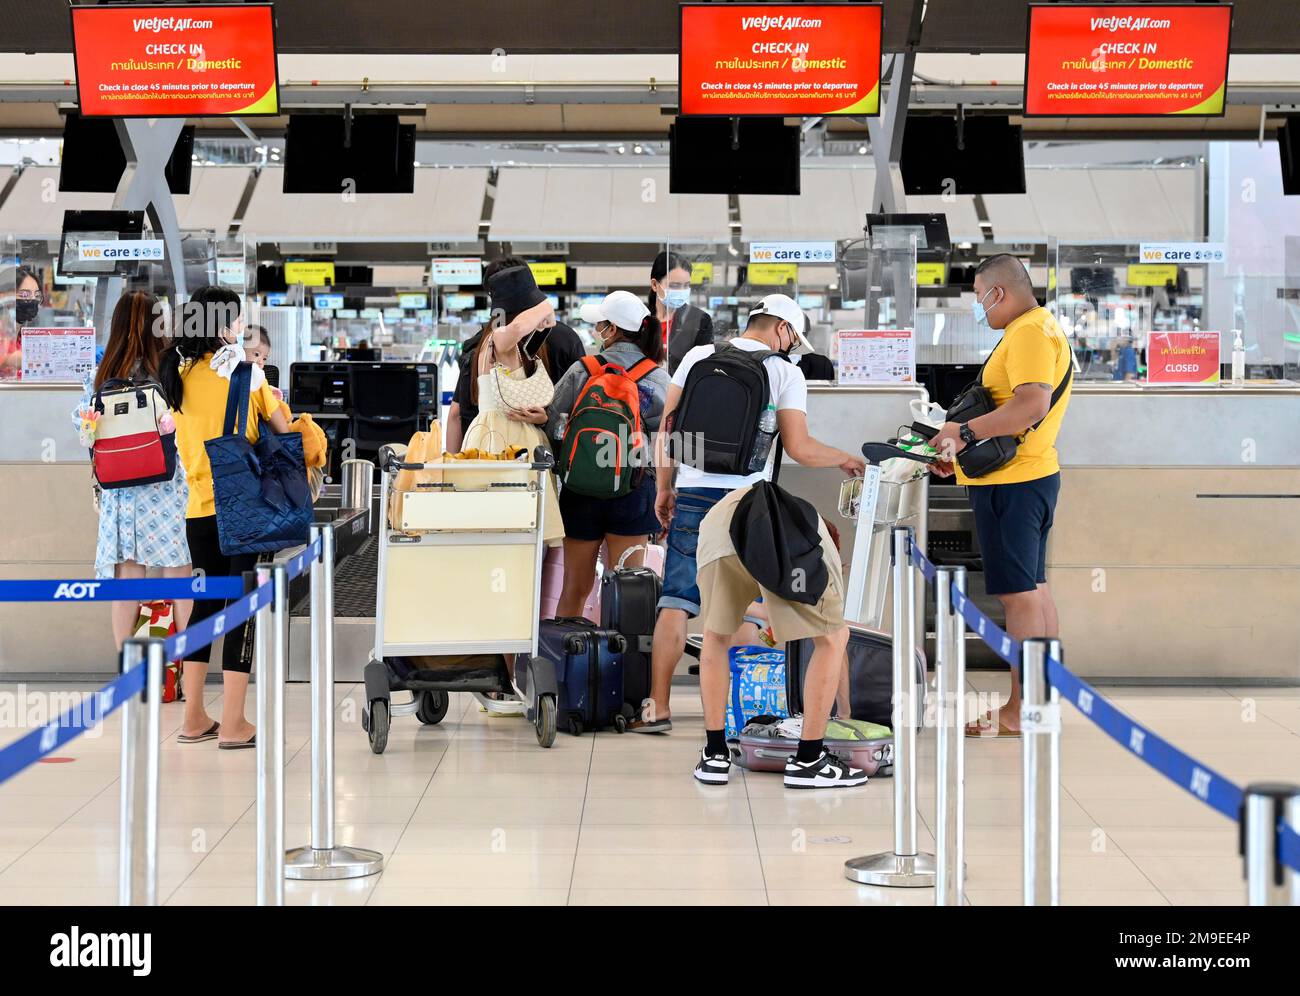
(894, 231)
(985, 155)
(92, 160)
(97, 243)
(733, 156)
(323, 155)
(1288, 147)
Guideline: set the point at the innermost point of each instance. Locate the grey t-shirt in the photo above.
(653, 388)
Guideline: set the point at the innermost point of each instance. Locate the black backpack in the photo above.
(716, 421)
(778, 541)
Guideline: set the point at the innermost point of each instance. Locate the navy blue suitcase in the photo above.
(589, 673)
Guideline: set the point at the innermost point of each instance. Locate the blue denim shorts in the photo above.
(681, 590)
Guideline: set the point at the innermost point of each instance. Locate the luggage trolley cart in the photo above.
(458, 584)
(878, 506)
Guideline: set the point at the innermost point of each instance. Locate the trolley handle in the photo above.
(878, 453)
(542, 460)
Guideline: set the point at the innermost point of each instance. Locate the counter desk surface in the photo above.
(1175, 550)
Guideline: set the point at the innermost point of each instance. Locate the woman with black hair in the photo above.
(685, 326)
(28, 297)
(628, 334)
(196, 372)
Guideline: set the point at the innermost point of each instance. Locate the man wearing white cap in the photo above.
(776, 326)
(631, 339)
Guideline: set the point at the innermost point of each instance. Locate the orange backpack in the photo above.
(603, 441)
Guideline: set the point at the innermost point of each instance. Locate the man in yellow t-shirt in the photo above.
(1014, 504)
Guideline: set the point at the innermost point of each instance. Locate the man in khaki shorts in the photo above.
(726, 590)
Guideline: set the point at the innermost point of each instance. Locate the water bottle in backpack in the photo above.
(763, 439)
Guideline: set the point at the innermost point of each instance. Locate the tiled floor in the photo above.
(473, 811)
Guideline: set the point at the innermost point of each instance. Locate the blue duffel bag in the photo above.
(260, 489)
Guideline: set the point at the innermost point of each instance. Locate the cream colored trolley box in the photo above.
(460, 572)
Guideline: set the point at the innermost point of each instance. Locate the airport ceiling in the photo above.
(601, 26)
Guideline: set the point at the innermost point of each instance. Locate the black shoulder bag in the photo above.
(987, 455)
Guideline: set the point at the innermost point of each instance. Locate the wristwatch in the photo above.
(967, 434)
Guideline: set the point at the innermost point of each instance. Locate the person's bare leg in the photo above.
(1051, 621)
(619, 545)
(194, 674)
(843, 700)
(1025, 620)
(181, 607)
(125, 614)
(715, 678)
(234, 727)
(665, 654)
(579, 576)
(821, 681)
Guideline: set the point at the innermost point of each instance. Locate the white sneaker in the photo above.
(828, 771)
(713, 770)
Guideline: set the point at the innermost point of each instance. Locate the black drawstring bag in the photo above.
(777, 538)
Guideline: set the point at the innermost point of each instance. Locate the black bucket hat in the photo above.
(514, 290)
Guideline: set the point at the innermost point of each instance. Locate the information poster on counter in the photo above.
(62, 354)
(1130, 60)
(780, 59)
(876, 356)
(1183, 358)
(160, 61)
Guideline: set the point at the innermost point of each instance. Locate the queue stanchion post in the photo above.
(270, 638)
(950, 750)
(322, 859)
(1265, 807)
(905, 866)
(137, 879)
(1040, 726)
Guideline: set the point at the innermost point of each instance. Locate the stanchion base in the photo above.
(339, 862)
(899, 871)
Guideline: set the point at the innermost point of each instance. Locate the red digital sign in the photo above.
(1135, 60)
(175, 61)
(780, 59)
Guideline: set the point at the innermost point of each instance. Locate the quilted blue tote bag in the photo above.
(262, 497)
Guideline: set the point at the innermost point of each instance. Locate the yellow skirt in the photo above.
(494, 432)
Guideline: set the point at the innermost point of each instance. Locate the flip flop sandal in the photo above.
(209, 734)
(238, 744)
(982, 729)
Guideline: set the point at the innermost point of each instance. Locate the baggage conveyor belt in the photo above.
(355, 570)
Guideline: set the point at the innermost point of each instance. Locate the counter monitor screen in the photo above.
(328, 301)
(102, 233)
(413, 302)
(173, 61)
(457, 302)
(794, 60)
(386, 392)
(1127, 60)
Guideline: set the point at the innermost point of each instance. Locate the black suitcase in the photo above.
(629, 600)
(871, 675)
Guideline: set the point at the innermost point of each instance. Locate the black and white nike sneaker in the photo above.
(828, 771)
(713, 770)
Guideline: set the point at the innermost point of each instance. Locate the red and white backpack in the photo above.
(132, 445)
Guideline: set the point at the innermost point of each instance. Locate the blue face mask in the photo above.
(981, 315)
(674, 299)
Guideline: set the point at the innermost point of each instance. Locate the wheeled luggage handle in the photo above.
(878, 453)
(542, 460)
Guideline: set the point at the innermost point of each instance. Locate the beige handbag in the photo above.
(532, 391)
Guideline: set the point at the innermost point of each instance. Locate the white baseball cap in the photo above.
(785, 308)
(620, 308)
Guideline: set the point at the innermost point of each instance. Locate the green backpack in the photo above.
(604, 431)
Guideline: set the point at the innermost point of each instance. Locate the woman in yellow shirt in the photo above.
(195, 372)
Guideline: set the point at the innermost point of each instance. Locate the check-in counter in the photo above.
(48, 529)
(1175, 552)
(50, 524)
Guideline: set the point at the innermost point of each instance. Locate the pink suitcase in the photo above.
(767, 753)
(553, 580)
